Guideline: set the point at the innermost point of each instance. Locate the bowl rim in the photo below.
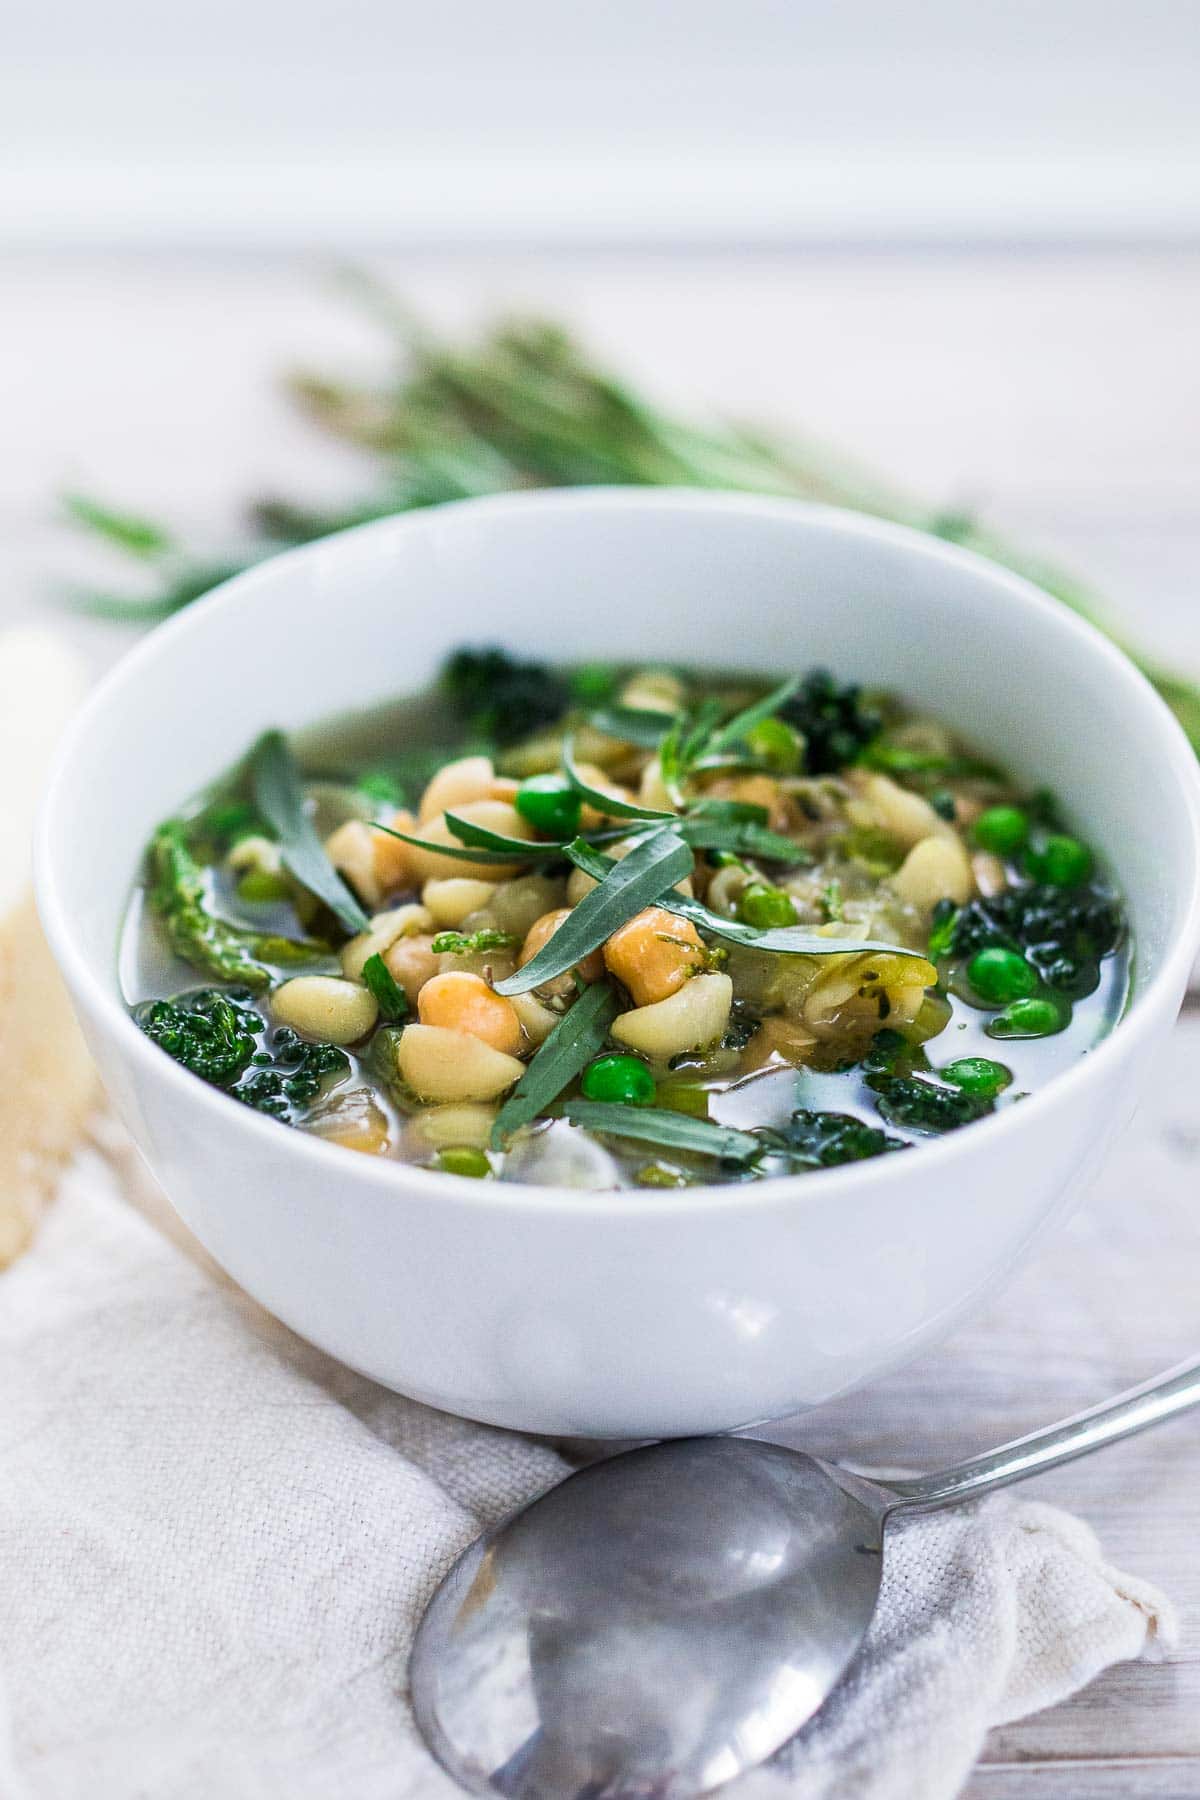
(103, 998)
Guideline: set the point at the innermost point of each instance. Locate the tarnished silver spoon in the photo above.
(665, 1620)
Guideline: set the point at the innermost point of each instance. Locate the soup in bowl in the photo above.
(627, 879)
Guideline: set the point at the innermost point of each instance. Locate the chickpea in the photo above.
(412, 963)
(461, 1002)
(326, 1007)
(654, 953)
(539, 935)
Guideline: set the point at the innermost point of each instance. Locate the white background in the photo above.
(257, 123)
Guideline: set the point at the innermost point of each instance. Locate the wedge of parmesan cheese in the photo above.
(47, 1082)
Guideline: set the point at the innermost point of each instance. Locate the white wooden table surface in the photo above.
(1059, 392)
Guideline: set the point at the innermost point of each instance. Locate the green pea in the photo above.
(943, 804)
(258, 886)
(551, 805)
(381, 787)
(765, 907)
(776, 743)
(978, 1075)
(1028, 1019)
(1059, 860)
(1001, 829)
(1000, 975)
(594, 683)
(463, 1161)
(623, 1080)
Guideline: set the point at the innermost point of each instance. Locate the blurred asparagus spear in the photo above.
(524, 407)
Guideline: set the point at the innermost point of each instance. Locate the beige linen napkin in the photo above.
(215, 1544)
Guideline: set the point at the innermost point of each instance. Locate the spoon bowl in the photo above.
(661, 1622)
(656, 1624)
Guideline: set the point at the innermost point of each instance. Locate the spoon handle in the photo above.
(1132, 1411)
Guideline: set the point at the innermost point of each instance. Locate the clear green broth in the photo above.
(406, 738)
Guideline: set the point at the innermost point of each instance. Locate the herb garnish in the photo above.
(389, 995)
(570, 1046)
(652, 867)
(788, 940)
(470, 943)
(671, 1130)
(612, 806)
(280, 798)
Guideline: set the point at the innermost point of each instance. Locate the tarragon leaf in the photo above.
(786, 940)
(737, 729)
(669, 1130)
(610, 805)
(280, 798)
(650, 870)
(633, 725)
(568, 1049)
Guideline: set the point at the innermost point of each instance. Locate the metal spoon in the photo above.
(665, 1620)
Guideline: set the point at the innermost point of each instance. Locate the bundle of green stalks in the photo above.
(524, 407)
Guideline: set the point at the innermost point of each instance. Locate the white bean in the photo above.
(537, 1021)
(325, 1007)
(493, 815)
(470, 778)
(938, 868)
(653, 690)
(904, 816)
(515, 905)
(386, 928)
(450, 898)
(440, 1064)
(454, 1127)
(691, 1019)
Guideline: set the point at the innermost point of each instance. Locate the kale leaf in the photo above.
(210, 1031)
(923, 1106)
(1064, 932)
(178, 894)
(501, 698)
(214, 1032)
(835, 722)
(300, 1070)
(821, 1140)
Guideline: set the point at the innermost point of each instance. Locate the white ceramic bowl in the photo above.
(622, 1314)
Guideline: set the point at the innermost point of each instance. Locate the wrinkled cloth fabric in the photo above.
(216, 1543)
